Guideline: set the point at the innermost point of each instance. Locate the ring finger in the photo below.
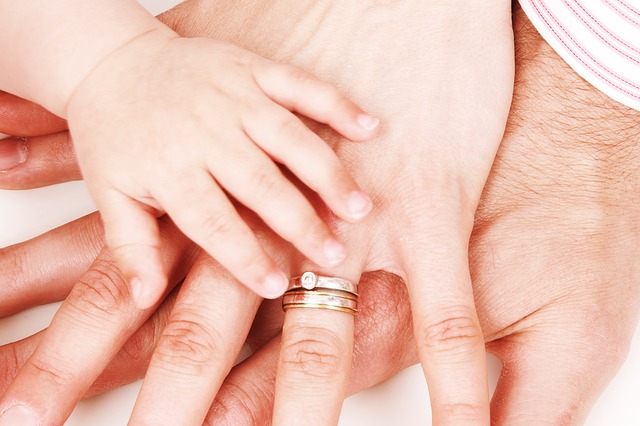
(315, 356)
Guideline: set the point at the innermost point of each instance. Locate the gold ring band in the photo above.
(321, 292)
(319, 300)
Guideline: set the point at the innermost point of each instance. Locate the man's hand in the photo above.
(556, 208)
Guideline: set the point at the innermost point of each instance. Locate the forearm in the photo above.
(48, 48)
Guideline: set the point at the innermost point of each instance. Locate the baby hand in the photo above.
(183, 126)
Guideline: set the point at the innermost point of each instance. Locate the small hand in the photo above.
(189, 127)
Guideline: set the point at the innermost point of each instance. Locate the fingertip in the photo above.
(274, 285)
(367, 121)
(359, 205)
(133, 237)
(362, 126)
(140, 298)
(146, 283)
(334, 252)
(18, 415)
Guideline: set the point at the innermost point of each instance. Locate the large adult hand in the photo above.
(519, 197)
(552, 260)
(552, 255)
(430, 247)
(426, 172)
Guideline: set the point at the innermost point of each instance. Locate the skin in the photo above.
(206, 124)
(580, 268)
(451, 168)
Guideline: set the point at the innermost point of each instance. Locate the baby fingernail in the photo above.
(367, 121)
(18, 415)
(359, 204)
(13, 152)
(137, 292)
(334, 251)
(274, 285)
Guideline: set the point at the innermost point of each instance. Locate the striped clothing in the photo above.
(599, 39)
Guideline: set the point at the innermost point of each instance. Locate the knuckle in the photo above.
(337, 101)
(102, 290)
(290, 128)
(462, 412)
(235, 405)
(313, 351)
(456, 334)
(267, 183)
(187, 346)
(217, 226)
(137, 349)
(309, 227)
(299, 77)
(50, 371)
(14, 259)
(90, 237)
(10, 363)
(13, 266)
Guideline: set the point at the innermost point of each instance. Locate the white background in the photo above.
(402, 400)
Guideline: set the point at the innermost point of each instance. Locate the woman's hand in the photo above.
(508, 408)
(552, 260)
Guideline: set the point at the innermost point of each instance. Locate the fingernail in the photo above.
(13, 152)
(359, 204)
(368, 121)
(334, 251)
(137, 292)
(274, 285)
(18, 415)
(2, 136)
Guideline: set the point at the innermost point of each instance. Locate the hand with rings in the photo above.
(537, 293)
(316, 343)
(439, 142)
(430, 147)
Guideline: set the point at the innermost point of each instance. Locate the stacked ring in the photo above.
(322, 292)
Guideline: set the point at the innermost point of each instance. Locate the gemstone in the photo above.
(309, 280)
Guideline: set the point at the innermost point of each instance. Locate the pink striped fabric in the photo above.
(599, 39)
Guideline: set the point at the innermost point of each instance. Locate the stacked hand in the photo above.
(537, 292)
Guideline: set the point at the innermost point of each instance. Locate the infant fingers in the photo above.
(133, 237)
(302, 92)
(262, 187)
(204, 213)
(290, 142)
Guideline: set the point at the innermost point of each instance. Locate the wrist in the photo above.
(55, 45)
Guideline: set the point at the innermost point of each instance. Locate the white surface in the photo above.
(403, 400)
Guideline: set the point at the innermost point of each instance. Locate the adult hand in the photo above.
(450, 169)
(437, 124)
(533, 319)
(552, 256)
(34, 130)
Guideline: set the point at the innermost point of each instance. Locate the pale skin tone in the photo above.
(451, 166)
(538, 287)
(554, 246)
(205, 125)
